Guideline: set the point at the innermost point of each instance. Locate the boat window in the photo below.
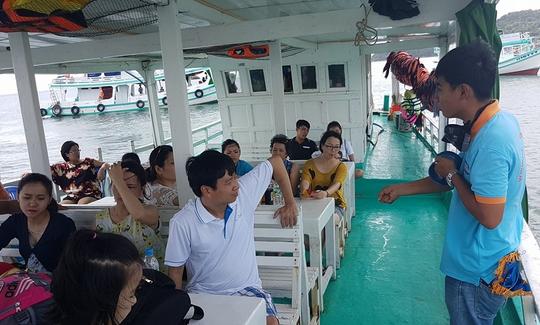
(309, 77)
(336, 75)
(257, 80)
(107, 92)
(161, 86)
(232, 78)
(197, 79)
(287, 79)
(137, 89)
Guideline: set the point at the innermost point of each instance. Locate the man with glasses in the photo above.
(300, 147)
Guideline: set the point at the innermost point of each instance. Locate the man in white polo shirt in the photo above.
(212, 236)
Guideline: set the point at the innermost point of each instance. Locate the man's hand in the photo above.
(288, 215)
(389, 194)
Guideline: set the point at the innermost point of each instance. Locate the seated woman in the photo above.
(232, 149)
(346, 150)
(278, 147)
(76, 177)
(130, 217)
(106, 268)
(325, 175)
(161, 177)
(42, 231)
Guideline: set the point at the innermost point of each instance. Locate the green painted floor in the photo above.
(390, 273)
(397, 155)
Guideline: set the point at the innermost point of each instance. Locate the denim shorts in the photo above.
(471, 304)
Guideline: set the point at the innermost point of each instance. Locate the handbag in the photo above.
(159, 302)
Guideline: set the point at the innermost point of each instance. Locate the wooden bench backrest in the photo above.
(279, 256)
(165, 216)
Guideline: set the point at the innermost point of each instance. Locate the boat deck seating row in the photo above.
(282, 268)
(282, 264)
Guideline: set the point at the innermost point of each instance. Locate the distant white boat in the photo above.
(519, 56)
(94, 93)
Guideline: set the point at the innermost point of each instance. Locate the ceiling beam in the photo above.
(401, 45)
(340, 21)
(206, 12)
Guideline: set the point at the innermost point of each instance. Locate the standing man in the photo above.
(212, 237)
(485, 217)
(300, 147)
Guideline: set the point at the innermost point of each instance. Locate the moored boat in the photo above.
(519, 56)
(120, 91)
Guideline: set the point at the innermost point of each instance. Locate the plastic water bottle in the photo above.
(150, 261)
(277, 196)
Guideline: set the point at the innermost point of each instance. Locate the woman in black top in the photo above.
(42, 231)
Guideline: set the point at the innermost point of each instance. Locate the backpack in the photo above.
(159, 302)
(25, 298)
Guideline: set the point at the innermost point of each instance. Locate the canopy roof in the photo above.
(213, 25)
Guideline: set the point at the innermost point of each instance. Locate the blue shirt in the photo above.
(243, 167)
(494, 165)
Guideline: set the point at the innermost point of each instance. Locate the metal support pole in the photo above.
(173, 63)
(29, 101)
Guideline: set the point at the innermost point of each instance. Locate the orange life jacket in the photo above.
(35, 16)
(248, 52)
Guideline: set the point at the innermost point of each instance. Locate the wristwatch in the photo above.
(449, 177)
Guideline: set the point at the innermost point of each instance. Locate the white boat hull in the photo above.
(525, 64)
(86, 108)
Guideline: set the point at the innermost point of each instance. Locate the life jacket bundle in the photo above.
(42, 16)
(25, 298)
(249, 51)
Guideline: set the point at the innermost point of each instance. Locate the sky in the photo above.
(42, 81)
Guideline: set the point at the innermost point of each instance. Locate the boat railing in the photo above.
(530, 261)
(202, 137)
(429, 132)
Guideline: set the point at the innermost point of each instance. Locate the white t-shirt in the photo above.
(219, 258)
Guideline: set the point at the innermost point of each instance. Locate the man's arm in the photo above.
(489, 215)
(176, 273)
(422, 186)
(288, 213)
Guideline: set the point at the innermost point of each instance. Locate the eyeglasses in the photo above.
(332, 147)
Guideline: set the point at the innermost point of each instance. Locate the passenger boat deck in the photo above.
(390, 273)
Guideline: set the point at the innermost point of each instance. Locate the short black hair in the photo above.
(329, 134)
(279, 138)
(332, 125)
(227, 143)
(473, 64)
(207, 168)
(301, 123)
(131, 156)
(66, 147)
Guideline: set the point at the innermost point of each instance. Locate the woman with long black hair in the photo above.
(42, 231)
